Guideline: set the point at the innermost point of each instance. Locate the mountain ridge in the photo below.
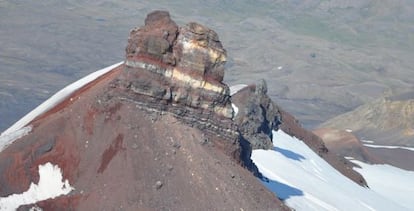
(163, 118)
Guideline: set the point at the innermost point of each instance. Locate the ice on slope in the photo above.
(307, 182)
(50, 103)
(234, 89)
(235, 109)
(389, 147)
(389, 181)
(50, 186)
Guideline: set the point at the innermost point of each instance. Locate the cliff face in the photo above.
(181, 65)
(158, 132)
(155, 133)
(178, 70)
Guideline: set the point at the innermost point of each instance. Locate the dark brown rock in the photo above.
(183, 66)
(257, 115)
(130, 140)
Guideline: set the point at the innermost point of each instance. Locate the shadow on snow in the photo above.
(281, 190)
(289, 154)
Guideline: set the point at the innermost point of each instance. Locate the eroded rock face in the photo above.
(155, 133)
(177, 65)
(257, 116)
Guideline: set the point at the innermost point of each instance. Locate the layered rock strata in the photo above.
(179, 70)
(183, 65)
(156, 132)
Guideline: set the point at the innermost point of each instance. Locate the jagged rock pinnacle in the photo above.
(183, 65)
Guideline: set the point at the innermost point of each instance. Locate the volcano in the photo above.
(157, 131)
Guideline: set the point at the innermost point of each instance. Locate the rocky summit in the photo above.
(158, 132)
(179, 65)
(154, 133)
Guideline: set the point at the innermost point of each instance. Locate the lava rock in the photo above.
(183, 65)
(257, 115)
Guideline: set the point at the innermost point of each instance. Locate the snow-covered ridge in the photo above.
(50, 185)
(57, 98)
(8, 138)
(304, 181)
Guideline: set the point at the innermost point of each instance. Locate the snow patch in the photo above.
(305, 181)
(348, 130)
(349, 157)
(236, 88)
(367, 141)
(50, 186)
(58, 98)
(235, 109)
(389, 181)
(279, 68)
(9, 138)
(388, 147)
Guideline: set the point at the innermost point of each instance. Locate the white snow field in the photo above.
(50, 186)
(16, 130)
(389, 147)
(304, 181)
(391, 182)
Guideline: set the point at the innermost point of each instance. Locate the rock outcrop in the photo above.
(178, 70)
(155, 133)
(257, 115)
(158, 132)
(182, 65)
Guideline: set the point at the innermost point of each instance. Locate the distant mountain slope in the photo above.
(345, 144)
(323, 57)
(388, 121)
(384, 127)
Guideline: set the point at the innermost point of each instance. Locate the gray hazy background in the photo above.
(334, 54)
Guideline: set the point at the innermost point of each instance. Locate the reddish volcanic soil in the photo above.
(118, 157)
